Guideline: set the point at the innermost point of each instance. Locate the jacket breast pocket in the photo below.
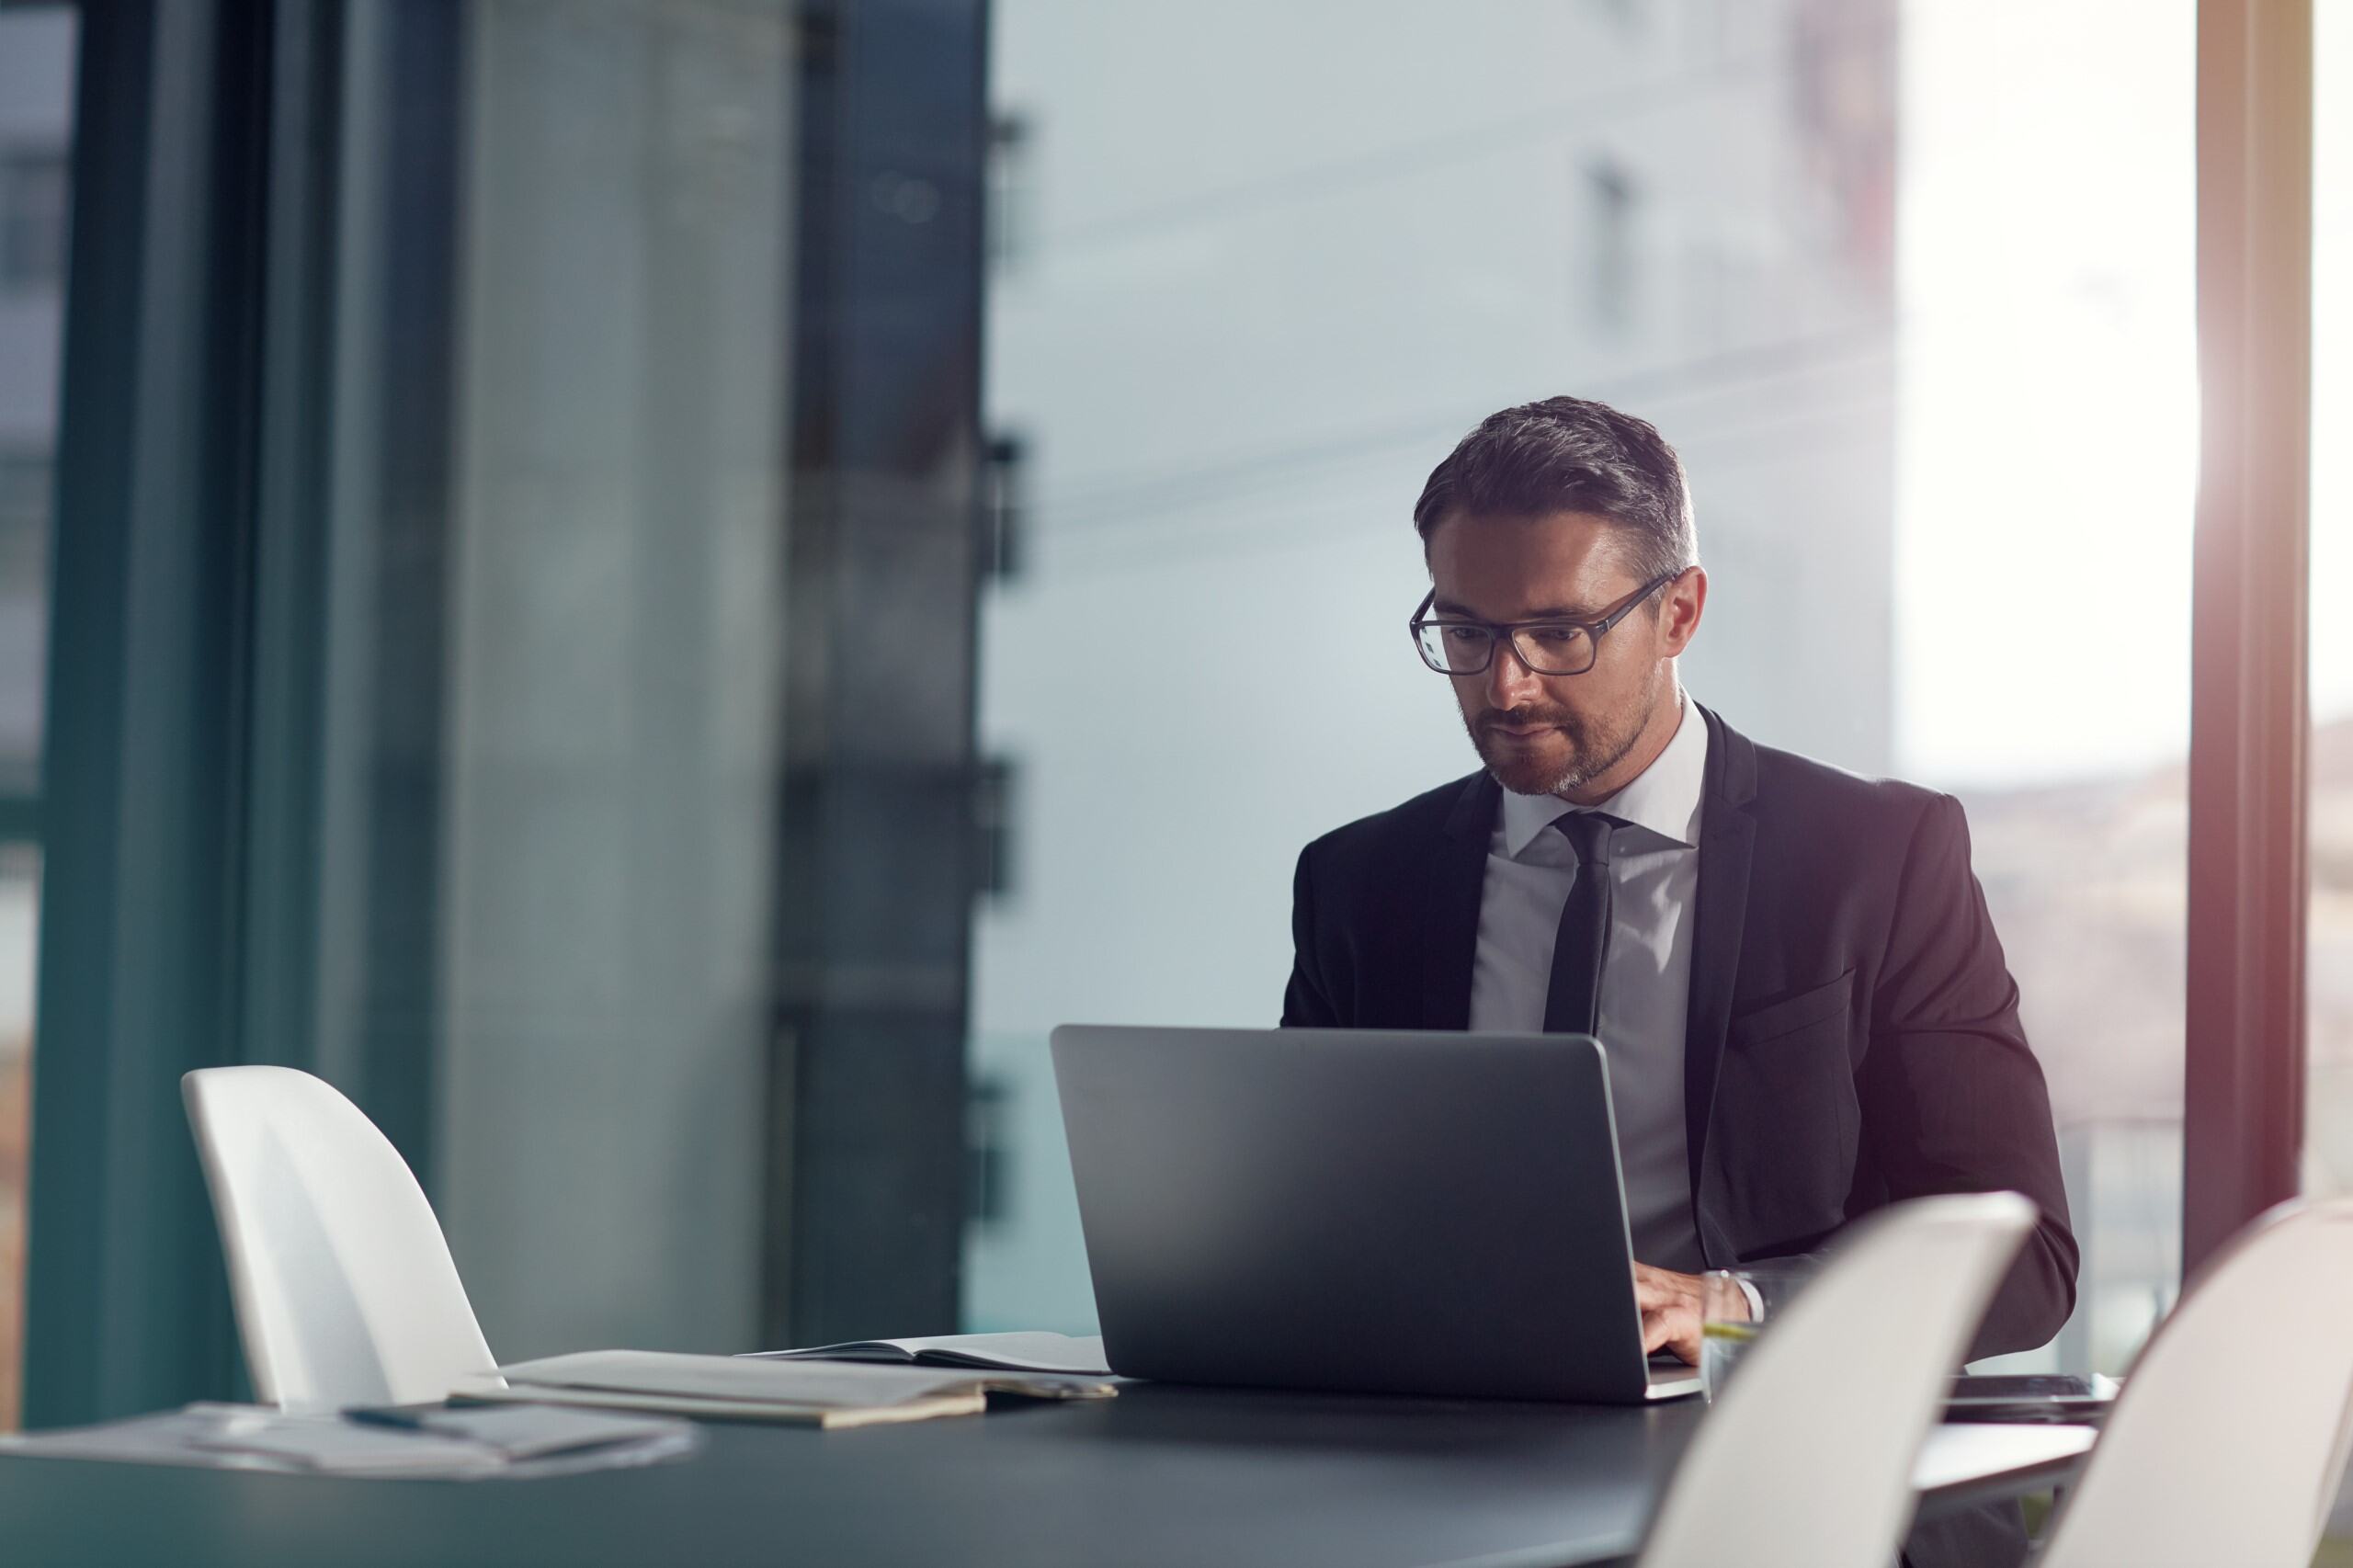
(1787, 1125)
(1792, 1014)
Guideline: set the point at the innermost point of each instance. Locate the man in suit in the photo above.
(1806, 1009)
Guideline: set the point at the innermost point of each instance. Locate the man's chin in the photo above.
(1528, 773)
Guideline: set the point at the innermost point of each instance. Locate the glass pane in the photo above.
(1232, 345)
(37, 56)
(2077, 791)
(555, 606)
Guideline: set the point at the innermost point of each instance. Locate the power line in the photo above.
(1168, 547)
(1140, 495)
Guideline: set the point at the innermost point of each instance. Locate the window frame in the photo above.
(2249, 858)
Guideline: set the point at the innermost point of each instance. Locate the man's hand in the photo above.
(1673, 1306)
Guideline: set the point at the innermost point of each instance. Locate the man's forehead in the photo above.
(1569, 541)
(1535, 605)
(1517, 568)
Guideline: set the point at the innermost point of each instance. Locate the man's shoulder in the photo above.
(1792, 773)
(1410, 823)
(1815, 791)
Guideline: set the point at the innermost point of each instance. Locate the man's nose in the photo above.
(1509, 682)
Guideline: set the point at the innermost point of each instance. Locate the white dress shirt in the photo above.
(1646, 976)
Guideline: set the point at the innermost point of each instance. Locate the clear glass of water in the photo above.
(1737, 1306)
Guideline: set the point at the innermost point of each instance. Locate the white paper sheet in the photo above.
(244, 1437)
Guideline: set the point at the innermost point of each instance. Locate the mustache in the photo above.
(1520, 718)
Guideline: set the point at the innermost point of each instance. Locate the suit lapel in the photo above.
(1727, 842)
(1457, 877)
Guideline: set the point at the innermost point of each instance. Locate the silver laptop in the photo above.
(1395, 1212)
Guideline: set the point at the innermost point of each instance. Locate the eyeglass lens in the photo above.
(1548, 650)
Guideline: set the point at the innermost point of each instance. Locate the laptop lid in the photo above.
(1402, 1212)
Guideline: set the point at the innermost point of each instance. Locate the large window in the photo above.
(36, 135)
(1932, 379)
(555, 459)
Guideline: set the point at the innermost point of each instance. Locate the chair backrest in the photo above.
(2229, 1439)
(1806, 1460)
(344, 1291)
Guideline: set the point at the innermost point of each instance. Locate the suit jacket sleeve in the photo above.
(1307, 1002)
(1955, 1101)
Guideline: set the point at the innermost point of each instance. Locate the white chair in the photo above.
(344, 1291)
(1807, 1459)
(2229, 1439)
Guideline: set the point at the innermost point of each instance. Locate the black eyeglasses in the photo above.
(1546, 647)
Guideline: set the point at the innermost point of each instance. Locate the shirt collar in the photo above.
(1664, 800)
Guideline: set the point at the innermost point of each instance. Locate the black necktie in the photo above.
(1573, 1005)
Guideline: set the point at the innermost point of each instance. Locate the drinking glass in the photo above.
(1737, 1306)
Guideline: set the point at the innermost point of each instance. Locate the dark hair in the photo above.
(1568, 454)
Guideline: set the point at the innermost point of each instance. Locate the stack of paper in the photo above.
(746, 1388)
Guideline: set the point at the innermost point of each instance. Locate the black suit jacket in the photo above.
(1853, 1035)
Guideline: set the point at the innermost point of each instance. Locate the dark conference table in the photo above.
(1162, 1475)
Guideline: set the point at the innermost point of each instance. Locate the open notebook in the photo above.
(1032, 1351)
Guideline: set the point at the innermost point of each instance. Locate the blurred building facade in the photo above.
(36, 144)
(1241, 300)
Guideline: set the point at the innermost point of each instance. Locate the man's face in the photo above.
(1562, 734)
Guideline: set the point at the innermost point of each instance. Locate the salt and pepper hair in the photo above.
(1569, 454)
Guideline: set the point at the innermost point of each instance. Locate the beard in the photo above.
(1580, 750)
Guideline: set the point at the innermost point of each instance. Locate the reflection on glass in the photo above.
(555, 585)
(1925, 384)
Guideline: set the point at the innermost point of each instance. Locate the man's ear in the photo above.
(1681, 604)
